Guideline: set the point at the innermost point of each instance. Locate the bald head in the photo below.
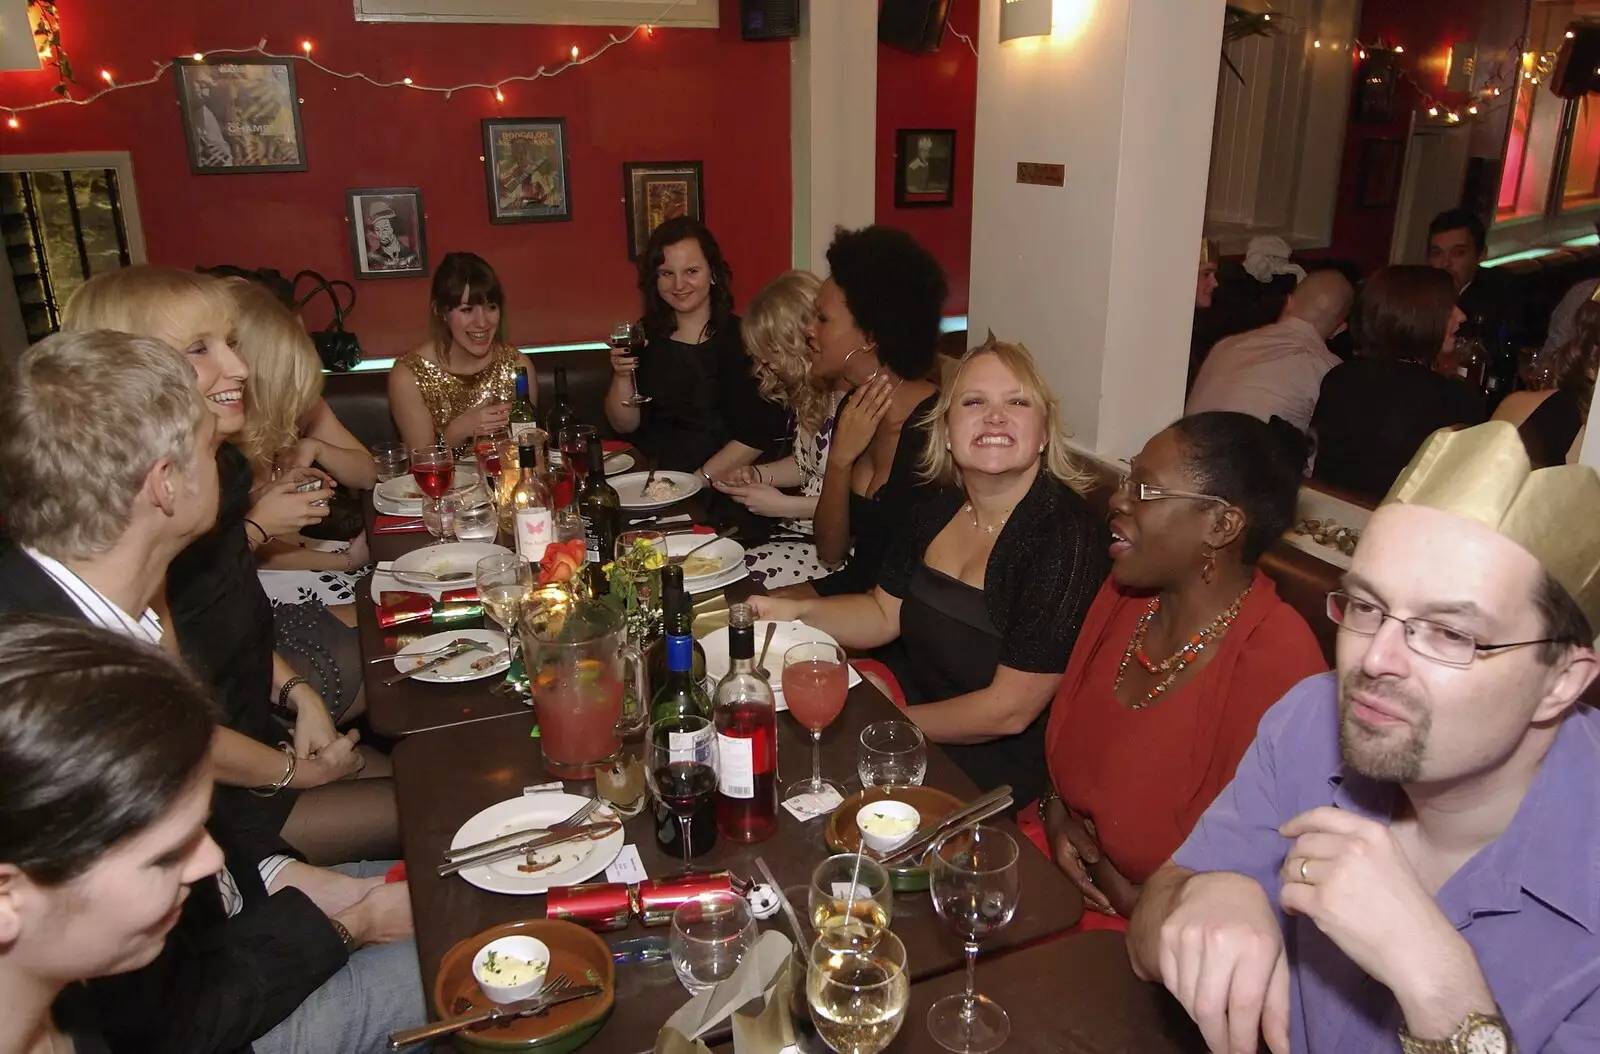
(1323, 299)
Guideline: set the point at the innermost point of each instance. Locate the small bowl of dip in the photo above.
(887, 825)
(511, 968)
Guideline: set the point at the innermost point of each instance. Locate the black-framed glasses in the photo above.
(1429, 639)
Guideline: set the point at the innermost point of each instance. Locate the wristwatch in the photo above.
(1478, 1034)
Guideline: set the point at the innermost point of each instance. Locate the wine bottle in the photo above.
(561, 414)
(531, 515)
(656, 656)
(601, 510)
(680, 694)
(522, 417)
(747, 739)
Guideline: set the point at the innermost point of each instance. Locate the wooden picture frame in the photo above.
(525, 169)
(240, 115)
(388, 232)
(656, 191)
(924, 168)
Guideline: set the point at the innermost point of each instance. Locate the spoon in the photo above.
(726, 532)
(448, 576)
(761, 663)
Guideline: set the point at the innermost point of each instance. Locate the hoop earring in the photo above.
(844, 367)
(1208, 570)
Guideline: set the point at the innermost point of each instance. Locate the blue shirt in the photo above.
(1528, 903)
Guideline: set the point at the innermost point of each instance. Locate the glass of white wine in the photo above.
(857, 988)
(504, 582)
(831, 902)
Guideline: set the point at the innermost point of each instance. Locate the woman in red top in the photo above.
(1186, 646)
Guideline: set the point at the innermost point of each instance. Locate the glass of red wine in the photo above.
(680, 765)
(816, 680)
(574, 441)
(975, 886)
(627, 336)
(486, 447)
(434, 469)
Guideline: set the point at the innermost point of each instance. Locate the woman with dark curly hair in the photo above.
(877, 328)
(694, 371)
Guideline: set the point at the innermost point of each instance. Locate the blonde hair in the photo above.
(938, 466)
(147, 301)
(775, 336)
(86, 416)
(285, 379)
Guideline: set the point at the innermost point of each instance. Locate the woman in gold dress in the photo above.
(460, 382)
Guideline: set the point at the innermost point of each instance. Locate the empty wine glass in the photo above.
(680, 765)
(816, 680)
(627, 336)
(857, 988)
(893, 754)
(975, 885)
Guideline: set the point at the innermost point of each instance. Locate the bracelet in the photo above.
(760, 477)
(289, 768)
(289, 686)
(1046, 798)
(345, 936)
(265, 537)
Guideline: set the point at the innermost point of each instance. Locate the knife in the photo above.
(967, 814)
(454, 653)
(501, 1012)
(527, 834)
(544, 841)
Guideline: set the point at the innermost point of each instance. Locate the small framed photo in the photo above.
(654, 192)
(924, 167)
(387, 237)
(525, 166)
(241, 115)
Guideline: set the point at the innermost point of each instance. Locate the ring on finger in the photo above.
(1303, 863)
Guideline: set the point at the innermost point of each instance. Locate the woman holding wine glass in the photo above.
(461, 381)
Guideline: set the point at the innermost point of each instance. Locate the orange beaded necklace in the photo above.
(1174, 664)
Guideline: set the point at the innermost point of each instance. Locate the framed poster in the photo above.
(654, 192)
(239, 116)
(387, 239)
(525, 166)
(682, 14)
(924, 167)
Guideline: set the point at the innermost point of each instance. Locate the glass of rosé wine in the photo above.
(816, 680)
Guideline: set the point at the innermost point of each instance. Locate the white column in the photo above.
(1097, 277)
(833, 91)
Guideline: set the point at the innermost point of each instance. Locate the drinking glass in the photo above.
(476, 520)
(644, 554)
(575, 453)
(710, 934)
(627, 336)
(893, 754)
(504, 582)
(857, 989)
(439, 517)
(680, 765)
(830, 901)
(434, 469)
(390, 459)
(975, 885)
(487, 447)
(816, 680)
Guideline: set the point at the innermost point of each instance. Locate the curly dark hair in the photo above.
(895, 290)
(659, 320)
(1255, 465)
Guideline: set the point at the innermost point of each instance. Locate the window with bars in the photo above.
(60, 227)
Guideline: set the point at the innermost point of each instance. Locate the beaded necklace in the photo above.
(1174, 664)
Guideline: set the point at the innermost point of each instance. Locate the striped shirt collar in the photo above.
(94, 605)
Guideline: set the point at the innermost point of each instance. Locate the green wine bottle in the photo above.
(681, 690)
(601, 510)
(522, 416)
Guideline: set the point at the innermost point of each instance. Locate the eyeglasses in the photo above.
(1429, 639)
(1151, 492)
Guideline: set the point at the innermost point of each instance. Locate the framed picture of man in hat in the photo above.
(387, 239)
(924, 170)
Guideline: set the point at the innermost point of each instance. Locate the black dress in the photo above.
(1548, 432)
(701, 397)
(1040, 580)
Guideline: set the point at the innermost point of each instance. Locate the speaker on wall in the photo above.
(1577, 71)
(769, 19)
(914, 25)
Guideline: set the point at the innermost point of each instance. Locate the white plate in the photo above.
(715, 645)
(730, 551)
(443, 559)
(459, 668)
(403, 490)
(630, 488)
(719, 581)
(621, 461)
(581, 860)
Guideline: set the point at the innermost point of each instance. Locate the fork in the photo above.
(459, 642)
(582, 814)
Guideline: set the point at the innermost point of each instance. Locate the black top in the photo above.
(1373, 415)
(1040, 580)
(877, 521)
(1548, 432)
(701, 397)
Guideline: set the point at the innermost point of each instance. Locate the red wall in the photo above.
(933, 90)
(677, 95)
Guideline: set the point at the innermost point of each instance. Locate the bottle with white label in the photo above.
(531, 516)
(747, 739)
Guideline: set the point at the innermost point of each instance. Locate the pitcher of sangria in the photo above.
(580, 668)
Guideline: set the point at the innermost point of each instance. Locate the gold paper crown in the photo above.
(1208, 252)
(1483, 474)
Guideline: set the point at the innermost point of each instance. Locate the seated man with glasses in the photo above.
(1407, 852)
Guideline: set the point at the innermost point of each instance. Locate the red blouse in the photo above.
(1145, 776)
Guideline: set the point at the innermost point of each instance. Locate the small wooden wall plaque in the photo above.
(1041, 174)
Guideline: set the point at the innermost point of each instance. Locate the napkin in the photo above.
(384, 524)
(757, 976)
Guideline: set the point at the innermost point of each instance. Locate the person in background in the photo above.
(1375, 410)
(1405, 858)
(1458, 244)
(705, 412)
(775, 336)
(1552, 422)
(460, 382)
(1277, 370)
(876, 331)
(1186, 646)
(1205, 284)
(104, 790)
(986, 587)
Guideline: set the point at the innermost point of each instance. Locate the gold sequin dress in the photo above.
(448, 395)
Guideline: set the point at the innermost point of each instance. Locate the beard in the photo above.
(1389, 754)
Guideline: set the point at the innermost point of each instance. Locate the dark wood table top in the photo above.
(446, 775)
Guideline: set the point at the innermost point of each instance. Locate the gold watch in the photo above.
(1478, 1034)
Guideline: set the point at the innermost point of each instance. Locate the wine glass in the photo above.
(434, 469)
(831, 901)
(680, 765)
(857, 988)
(486, 447)
(815, 683)
(975, 886)
(627, 336)
(893, 754)
(504, 582)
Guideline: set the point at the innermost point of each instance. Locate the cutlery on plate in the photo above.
(980, 808)
(514, 837)
(479, 665)
(662, 521)
(448, 576)
(726, 532)
(457, 643)
(592, 831)
(454, 653)
(556, 991)
(761, 663)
